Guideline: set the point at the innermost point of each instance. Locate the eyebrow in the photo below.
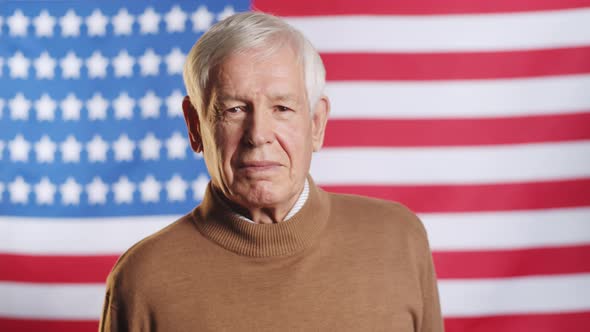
(223, 98)
(236, 98)
(283, 97)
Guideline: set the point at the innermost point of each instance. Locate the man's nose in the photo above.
(260, 127)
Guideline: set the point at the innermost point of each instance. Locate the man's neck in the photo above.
(271, 215)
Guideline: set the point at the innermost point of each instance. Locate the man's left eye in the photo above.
(282, 108)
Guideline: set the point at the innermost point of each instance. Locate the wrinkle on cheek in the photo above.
(227, 150)
(289, 136)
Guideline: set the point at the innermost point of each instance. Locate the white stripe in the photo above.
(507, 229)
(452, 165)
(477, 297)
(65, 301)
(452, 99)
(428, 33)
(459, 298)
(446, 231)
(75, 236)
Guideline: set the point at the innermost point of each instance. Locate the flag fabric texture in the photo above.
(475, 114)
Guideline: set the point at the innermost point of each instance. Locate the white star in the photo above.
(176, 146)
(97, 149)
(44, 191)
(97, 191)
(19, 107)
(1, 150)
(1, 106)
(19, 190)
(70, 192)
(123, 106)
(202, 19)
(44, 65)
(71, 107)
(174, 103)
(70, 150)
(148, 21)
(150, 63)
(199, 187)
(175, 20)
(18, 23)
(123, 22)
(150, 105)
(176, 189)
(45, 150)
(97, 23)
(97, 107)
(70, 24)
(70, 65)
(227, 12)
(150, 147)
(19, 65)
(1, 184)
(44, 24)
(123, 190)
(123, 147)
(1, 58)
(175, 61)
(150, 189)
(123, 64)
(45, 108)
(19, 149)
(97, 65)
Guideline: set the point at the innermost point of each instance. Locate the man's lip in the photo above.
(261, 163)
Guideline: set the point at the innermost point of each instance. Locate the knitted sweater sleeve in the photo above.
(125, 306)
(108, 318)
(130, 315)
(432, 317)
(432, 320)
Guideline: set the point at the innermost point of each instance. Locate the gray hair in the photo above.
(242, 32)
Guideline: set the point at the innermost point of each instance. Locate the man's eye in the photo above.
(236, 109)
(282, 108)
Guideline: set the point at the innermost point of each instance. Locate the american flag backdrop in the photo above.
(475, 114)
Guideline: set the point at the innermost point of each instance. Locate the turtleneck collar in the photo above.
(218, 222)
(298, 204)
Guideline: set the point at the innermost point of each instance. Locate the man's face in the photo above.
(260, 134)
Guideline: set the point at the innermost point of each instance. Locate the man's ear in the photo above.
(318, 122)
(191, 117)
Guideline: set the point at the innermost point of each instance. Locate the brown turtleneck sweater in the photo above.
(342, 263)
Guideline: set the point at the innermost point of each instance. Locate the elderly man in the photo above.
(267, 250)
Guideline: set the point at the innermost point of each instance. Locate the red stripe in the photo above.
(449, 264)
(571, 322)
(473, 198)
(449, 132)
(58, 269)
(408, 7)
(511, 263)
(33, 325)
(456, 66)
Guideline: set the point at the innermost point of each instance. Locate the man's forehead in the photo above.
(272, 59)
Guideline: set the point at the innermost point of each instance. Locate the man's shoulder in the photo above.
(376, 212)
(156, 249)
